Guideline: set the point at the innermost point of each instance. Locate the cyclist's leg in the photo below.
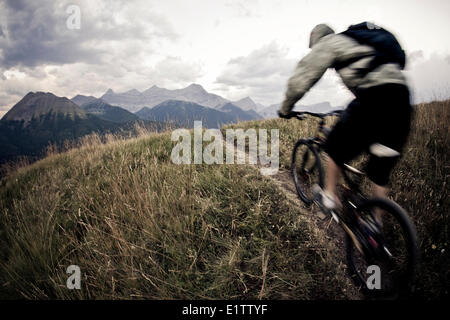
(378, 170)
(345, 141)
(379, 192)
(393, 119)
(332, 175)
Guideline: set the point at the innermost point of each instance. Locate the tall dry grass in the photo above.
(140, 227)
(419, 183)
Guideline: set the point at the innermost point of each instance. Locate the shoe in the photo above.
(324, 199)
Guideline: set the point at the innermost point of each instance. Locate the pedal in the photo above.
(321, 212)
(318, 200)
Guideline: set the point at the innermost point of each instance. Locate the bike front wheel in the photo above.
(306, 169)
(389, 249)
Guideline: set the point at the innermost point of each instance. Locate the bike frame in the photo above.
(318, 142)
(353, 194)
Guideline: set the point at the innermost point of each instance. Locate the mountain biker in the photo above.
(377, 120)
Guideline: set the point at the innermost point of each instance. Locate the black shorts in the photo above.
(380, 114)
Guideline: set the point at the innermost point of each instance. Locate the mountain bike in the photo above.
(389, 248)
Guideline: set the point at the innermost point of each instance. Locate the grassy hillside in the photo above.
(420, 184)
(55, 130)
(139, 226)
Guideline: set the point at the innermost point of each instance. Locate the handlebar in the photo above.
(301, 114)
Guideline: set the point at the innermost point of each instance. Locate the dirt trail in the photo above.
(326, 225)
(331, 231)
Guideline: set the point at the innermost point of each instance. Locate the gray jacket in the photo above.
(327, 49)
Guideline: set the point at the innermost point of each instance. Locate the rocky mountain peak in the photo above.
(194, 87)
(39, 103)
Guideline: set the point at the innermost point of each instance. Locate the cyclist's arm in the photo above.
(308, 71)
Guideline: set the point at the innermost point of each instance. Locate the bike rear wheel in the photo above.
(393, 249)
(306, 169)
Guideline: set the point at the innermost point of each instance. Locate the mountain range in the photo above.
(186, 105)
(105, 111)
(40, 118)
(133, 100)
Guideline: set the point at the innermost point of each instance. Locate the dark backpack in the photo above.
(387, 48)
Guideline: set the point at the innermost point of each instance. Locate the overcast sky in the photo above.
(233, 48)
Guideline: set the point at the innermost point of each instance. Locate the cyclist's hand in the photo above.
(284, 115)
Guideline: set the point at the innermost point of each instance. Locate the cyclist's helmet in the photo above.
(319, 31)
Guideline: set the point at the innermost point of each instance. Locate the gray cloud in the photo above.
(241, 9)
(428, 77)
(414, 56)
(263, 74)
(39, 53)
(175, 70)
(35, 32)
(127, 44)
(265, 61)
